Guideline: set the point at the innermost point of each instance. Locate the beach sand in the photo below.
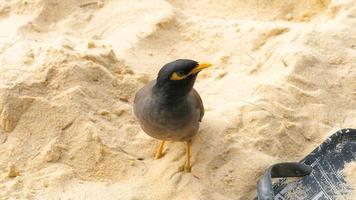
(284, 79)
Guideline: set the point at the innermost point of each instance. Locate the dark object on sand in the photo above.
(325, 181)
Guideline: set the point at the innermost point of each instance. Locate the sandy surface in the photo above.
(283, 81)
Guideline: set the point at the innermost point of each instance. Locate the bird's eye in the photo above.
(180, 73)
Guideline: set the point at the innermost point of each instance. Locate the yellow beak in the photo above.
(200, 67)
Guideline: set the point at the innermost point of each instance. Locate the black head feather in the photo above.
(174, 90)
(180, 65)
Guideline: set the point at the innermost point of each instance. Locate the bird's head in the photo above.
(176, 79)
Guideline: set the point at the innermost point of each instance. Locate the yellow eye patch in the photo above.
(176, 77)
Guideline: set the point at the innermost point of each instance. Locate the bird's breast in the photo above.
(168, 122)
(172, 116)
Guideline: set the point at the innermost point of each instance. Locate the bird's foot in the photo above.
(187, 169)
(158, 155)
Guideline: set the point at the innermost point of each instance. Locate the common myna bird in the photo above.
(169, 108)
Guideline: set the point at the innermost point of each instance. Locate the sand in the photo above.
(284, 79)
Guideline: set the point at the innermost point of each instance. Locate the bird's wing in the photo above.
(200, 104)
(141, 96)
(144, 91)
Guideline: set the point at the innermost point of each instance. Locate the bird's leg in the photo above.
(160, 150)
(187, 166)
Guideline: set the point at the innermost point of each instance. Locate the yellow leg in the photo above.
(160, 150)
(187, 166)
